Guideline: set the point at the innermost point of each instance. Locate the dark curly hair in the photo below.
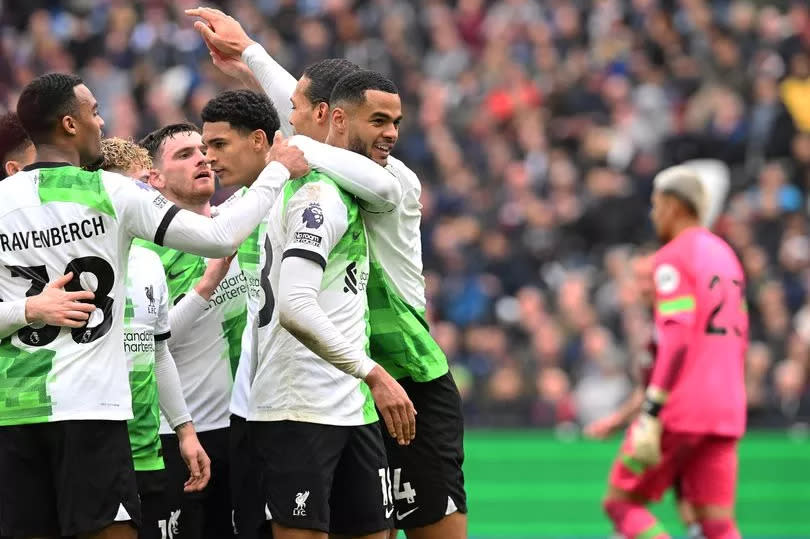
(153, 142)
(323, 77)
(13, 139)
(45, 101)
(245, 110)
(352, 88)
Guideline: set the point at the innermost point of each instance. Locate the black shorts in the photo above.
(428, 482)
(155, 512)
(66, 478)
(246, 486)
(324, 477)
(206, 514)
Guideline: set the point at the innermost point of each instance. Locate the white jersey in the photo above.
(146, 321)
(313, 219)
(400, 340)
(59, 219)
(248, 256)
(207, 355)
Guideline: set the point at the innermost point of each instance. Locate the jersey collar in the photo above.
(47, 164)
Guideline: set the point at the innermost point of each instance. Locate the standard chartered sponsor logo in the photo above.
(139, 341)
(230, 288)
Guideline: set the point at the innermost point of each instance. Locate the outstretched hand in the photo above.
(220, 31)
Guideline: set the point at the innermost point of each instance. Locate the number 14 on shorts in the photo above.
(401, 491)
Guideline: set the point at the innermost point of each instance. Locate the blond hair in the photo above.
(122, 155)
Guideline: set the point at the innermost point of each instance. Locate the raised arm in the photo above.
(221, 236)
(378, 189)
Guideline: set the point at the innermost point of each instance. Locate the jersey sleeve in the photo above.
(675, 292)
(143, 211)
(314, 221)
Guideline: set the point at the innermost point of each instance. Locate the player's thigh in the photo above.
(216, 497)
(427, 476)
(155, 512)
(27, 493)
(246, 494)
(632, 480)
(297, 463)
(95, 478)
(709, 478)
(361, 491)
(185, 512)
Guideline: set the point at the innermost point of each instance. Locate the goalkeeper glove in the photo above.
(646, 434)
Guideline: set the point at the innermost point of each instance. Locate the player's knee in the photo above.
(722, 528)
(615, 508)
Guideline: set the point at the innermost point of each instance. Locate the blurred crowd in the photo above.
(536, 128)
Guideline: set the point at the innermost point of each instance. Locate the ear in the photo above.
(322, 113)
(156, 179)
(69, 124)
(259, 140)
(339, 120)
(12, 167)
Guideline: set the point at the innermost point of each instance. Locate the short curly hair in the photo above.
(13, 140)
(245, 110)
(45, 101)
(121, 155)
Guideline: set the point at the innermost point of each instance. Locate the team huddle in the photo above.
(173, 369)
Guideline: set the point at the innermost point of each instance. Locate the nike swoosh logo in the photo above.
(388, 513)
(405, 514)
(178, 274)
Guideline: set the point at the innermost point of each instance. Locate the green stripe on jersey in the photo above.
(24, 385)
(677, 305)
(72, 184)
(400, 336)
(248, 253)
(183, 270)
(144, 427)
(233, 328)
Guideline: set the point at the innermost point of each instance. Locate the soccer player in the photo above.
(694, 408)
(207, 318)
(236, 131)
(316, 431)
(65, 456)
(153, 376)
(428, 481)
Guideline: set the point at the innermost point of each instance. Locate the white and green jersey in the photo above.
(206, 357)
(56, 219)
(248, 257)
(314, 219)
(400, 339)
(146, 321)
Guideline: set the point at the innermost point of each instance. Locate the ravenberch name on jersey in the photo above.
(51, 237)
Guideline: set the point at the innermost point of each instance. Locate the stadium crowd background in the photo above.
(536, 128)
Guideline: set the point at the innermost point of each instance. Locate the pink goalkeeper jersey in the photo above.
(699, 283)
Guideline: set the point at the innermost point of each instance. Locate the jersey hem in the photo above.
(303, 417)
(75, 416)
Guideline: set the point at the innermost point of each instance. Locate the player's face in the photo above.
(88, 126)
(183, 168)
(661, 215)
(304, 115)
(236, 157)
(373, 126)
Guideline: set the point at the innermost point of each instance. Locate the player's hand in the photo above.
(195, 457)
(394, 405)
(56, 307)
(216, 270)
(289, 156)
(602, 428)
(233, 66)
(221, 31)
(645, 438)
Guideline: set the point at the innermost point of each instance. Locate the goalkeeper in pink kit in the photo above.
(694, 409)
